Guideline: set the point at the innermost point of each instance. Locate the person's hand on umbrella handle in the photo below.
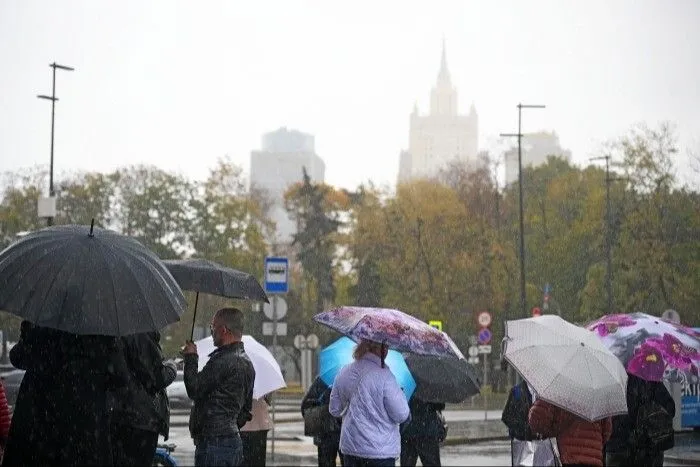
(190, 348)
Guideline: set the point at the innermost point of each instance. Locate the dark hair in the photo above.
(232, 319)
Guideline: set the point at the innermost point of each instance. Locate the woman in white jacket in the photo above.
(254, 433)
(368, 398)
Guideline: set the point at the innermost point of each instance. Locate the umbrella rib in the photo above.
(114, 291)
(53, 281)
(35, 264)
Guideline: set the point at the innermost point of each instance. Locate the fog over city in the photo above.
(179, 85)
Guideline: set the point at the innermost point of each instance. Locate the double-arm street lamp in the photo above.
(519, 135)
(53, 99)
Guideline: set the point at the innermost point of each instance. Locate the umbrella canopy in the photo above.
(394, 328)
(651, 348)
(440, 379)
(268, 375)
(567, 366)
(87, 280)
(338, 354)
(201, 275)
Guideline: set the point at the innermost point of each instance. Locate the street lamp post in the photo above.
(519, 135)
(608, 230)
(53, 99)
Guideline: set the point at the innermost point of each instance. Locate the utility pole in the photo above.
(608, 230)
(519, 135)
(53, 99)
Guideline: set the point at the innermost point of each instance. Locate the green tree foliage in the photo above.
(316, 209)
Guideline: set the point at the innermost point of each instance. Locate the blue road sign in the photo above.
(276, 274)
(484, 336)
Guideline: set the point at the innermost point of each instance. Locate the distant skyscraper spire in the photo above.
(444, 74)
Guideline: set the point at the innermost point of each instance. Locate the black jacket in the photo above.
(319, 393)
(426, 420)
(61, 415)
(143, 402)
(222, 392)
(515, 413)
(624, 424)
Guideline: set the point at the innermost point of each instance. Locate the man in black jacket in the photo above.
(622, 449)
(222, 392)
(140, 409)
(328, 442)
(422, 435)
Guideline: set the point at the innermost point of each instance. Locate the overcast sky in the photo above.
(179, 84)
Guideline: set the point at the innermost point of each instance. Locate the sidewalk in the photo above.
(687, 449)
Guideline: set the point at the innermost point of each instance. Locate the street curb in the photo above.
(466, 440)
(681, 460)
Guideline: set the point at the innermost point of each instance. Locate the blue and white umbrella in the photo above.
(339, 353)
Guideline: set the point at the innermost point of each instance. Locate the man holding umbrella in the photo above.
(222, 392)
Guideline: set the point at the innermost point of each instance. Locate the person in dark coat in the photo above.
(319, 394)
(140, 409)
(621, 448)
(61, 415)
(422, 435)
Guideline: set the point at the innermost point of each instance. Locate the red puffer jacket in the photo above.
(4, 416)
(580, 441)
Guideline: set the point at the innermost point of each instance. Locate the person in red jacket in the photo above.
(4, 419)
(580, 442)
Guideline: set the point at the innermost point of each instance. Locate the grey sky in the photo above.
(179, 84)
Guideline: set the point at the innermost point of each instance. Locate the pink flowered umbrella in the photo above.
(652, 348)
(396, 329)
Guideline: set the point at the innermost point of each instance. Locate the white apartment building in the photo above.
(278, 165)
(536, 148)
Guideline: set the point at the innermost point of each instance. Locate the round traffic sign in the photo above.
(311, 341)
(484, 319)
(473, 351)
(280, 306)
(299, 342)
(484, 336)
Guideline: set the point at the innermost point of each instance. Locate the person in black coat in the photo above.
(61, 415)
(328, 443)
(620, 449)
(423, 433)
(140, 409)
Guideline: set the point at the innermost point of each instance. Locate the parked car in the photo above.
(177, 394)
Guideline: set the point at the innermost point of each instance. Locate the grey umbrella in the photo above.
(201, 275)
(87, 280)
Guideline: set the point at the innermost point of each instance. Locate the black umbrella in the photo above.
(443, 379)
(201, 275)
(87, 280)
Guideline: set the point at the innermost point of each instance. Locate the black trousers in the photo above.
(254, 447)
(428, 449)
(132, 446)
(328, 449)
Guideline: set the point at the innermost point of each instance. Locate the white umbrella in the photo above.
(268, 376)
(567, 365)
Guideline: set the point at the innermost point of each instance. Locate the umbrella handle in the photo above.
(194, 318)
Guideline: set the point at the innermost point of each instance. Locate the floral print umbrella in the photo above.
(651, 348)
(396, 329)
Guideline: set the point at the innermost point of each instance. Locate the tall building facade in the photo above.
(536, 148)
(441, 136)
(277, 166)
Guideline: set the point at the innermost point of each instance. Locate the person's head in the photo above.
(227, 326)
(365, 346)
